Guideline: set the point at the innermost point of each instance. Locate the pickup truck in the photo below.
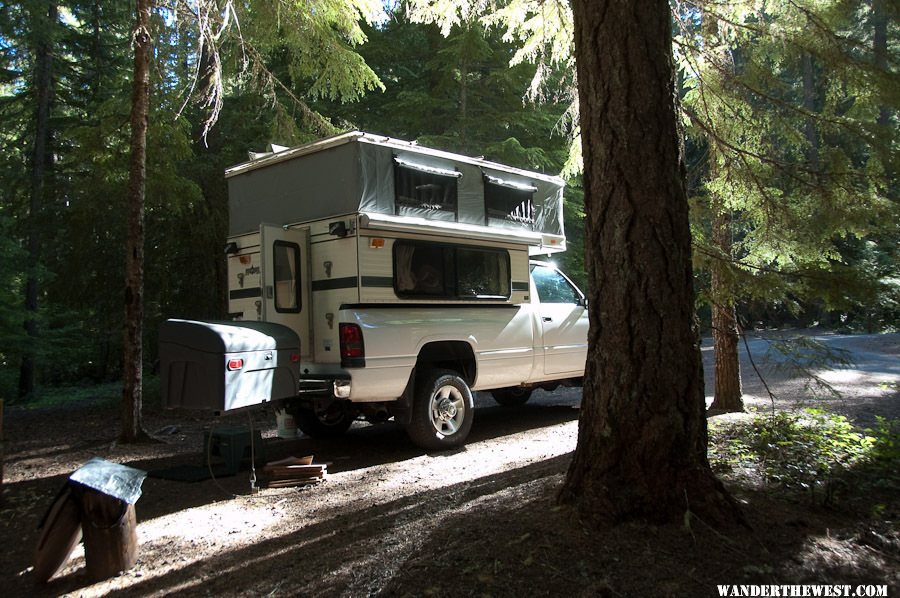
(420, 365)
(377, 278)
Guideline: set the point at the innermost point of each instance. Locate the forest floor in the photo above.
(392, 520)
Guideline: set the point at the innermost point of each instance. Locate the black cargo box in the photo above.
(226, 365)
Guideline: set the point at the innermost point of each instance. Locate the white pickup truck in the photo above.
(373, 277)
(420, 364)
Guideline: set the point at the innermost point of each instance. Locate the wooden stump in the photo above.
(109, 527)
(60, 533)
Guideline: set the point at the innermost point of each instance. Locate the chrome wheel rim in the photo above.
(448, 410)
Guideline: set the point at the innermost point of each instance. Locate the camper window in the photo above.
(285, 263)
(437, 271)
(508, 202)
(425, 192)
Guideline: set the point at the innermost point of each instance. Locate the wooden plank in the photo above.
(290, 483)
(294, 470)
(291, 461)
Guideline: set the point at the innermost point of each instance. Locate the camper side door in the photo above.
(284, 268)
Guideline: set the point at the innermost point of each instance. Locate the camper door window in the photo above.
(285, 263)
(427, 193)
(437, 271)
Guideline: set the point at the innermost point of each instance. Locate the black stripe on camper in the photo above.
(245, 293)
(381, 282)
(333, 284)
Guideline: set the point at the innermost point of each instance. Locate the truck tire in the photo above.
(512, 396)
(323, 424)
(442, 411)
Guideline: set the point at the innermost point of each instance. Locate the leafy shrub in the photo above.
(811, 452)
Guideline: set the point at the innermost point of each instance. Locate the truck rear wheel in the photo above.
(442, 411)
(512, 396)
(330, 422)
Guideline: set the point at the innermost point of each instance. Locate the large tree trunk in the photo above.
(728, 392)
(40, 159)
(641, 450)
(134, 259)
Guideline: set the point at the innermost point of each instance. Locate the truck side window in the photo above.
(285, 264)
(552, 287)
(434, 271)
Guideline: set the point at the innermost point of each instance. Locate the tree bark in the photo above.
(728, 391)
(879, 21)
(40, 159)
(810, 101)
(134, 259)
(109, 526)
(727, 395)
(642, 436)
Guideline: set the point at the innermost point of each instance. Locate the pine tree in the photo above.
(784, 101)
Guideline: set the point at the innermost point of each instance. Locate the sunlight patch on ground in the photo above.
(389, 488)
(220, 520)
(477, 460)
(833, 553)
(849, 376)
(167, 541)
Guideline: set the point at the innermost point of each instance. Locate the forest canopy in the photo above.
(789, 114)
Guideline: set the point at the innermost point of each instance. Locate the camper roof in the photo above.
(382, 177)
(280, 153)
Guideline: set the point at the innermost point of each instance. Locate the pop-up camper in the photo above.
(404, 272)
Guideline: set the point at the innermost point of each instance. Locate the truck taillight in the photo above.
(353, 350)
(235, 364)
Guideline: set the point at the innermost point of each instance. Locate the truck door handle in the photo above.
(546, 319)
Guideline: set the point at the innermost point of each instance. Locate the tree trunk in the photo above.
(641, 450)
(464, 99)
(109, 526)
(40, 159)
(2, 452)
(879, 21)
(134, 259)
(728, 392)
(810, 101)
(727, 395)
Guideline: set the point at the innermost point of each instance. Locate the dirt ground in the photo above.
(392, 520)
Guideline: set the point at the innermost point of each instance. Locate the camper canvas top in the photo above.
(396, 185)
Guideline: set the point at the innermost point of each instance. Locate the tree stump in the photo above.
(109, 527)
(60, 533)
